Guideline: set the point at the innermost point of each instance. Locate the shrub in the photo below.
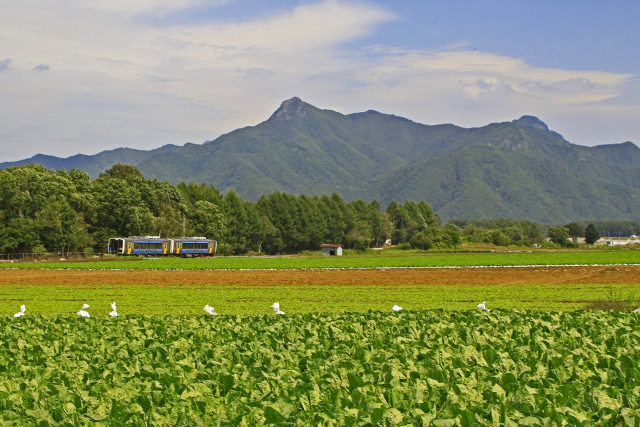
(421, 240)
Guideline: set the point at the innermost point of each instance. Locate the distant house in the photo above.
(329, 249)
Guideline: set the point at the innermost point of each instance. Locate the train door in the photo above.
(210, 251)
(129, 248)
(165, 247)
(178, 248)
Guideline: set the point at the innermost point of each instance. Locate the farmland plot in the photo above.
(392, 260)
(445, 367)
(302, 291)
(160, 292)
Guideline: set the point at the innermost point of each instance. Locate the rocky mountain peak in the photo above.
(291, 108)
(531, 121)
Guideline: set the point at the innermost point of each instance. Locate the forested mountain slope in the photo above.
(95, 164)
(517, 169)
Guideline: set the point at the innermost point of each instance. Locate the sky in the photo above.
(83, 76)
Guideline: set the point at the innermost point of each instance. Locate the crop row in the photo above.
(462, 368)
(287, 262)
(56, 300)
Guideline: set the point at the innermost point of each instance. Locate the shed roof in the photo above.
(331, 245)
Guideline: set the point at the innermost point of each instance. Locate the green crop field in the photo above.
(340, 355)
(392, 260)
(377, 368)
(52, 300)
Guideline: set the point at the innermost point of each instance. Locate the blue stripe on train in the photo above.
(147, 251)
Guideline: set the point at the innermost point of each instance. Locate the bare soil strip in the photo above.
(435, 276)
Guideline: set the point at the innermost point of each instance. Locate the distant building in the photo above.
(329, 249)
(617, 242)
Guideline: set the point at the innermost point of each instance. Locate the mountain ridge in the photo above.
(520, 169)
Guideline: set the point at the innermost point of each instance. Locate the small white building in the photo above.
(330, 249)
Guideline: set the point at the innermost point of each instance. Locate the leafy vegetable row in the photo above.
(463, 368)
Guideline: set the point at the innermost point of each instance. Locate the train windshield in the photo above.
(116, 246)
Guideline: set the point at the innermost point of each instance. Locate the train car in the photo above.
(155, 245)
(139, 245)
(194, 246)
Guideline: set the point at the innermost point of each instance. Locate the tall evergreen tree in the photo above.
(591, 234)
(236, 223)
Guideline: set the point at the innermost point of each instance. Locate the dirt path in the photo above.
(436, 276)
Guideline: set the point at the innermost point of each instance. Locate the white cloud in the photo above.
(132, 7)
(115, 81)
(473, 88)
(479, 73)
(305, 28)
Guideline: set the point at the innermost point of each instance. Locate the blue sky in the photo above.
(80, 76)
(577, 35)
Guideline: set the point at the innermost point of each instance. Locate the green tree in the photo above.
(403, 225)
(421, 240)
(449, 236)
(381, 226)
(336, 217)
(313, 224)
(531, 231)
(575, 230)
(55, 224)
(360, 235)
(591, 234)
(79, 238)
(20, 235)
(496, 237)
(236, 223)
(559, 235)
(256, 231)
(473, 234)
(169, 222)
(268, 235)
(191, 193)
(205, 219)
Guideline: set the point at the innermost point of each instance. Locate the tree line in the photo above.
(506, 232)
(58, 211)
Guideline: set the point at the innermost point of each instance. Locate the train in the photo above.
(155, 245)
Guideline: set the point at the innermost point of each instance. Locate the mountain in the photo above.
(95, 164)
(518, 169)
(302, 149)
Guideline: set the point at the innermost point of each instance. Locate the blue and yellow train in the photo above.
(155, 245)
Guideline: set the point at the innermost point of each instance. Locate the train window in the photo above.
(194, 245)
(148, 245)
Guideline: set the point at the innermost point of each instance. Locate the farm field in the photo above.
(339, 356)
(158, 292)
(380, 368)
(395, 259)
